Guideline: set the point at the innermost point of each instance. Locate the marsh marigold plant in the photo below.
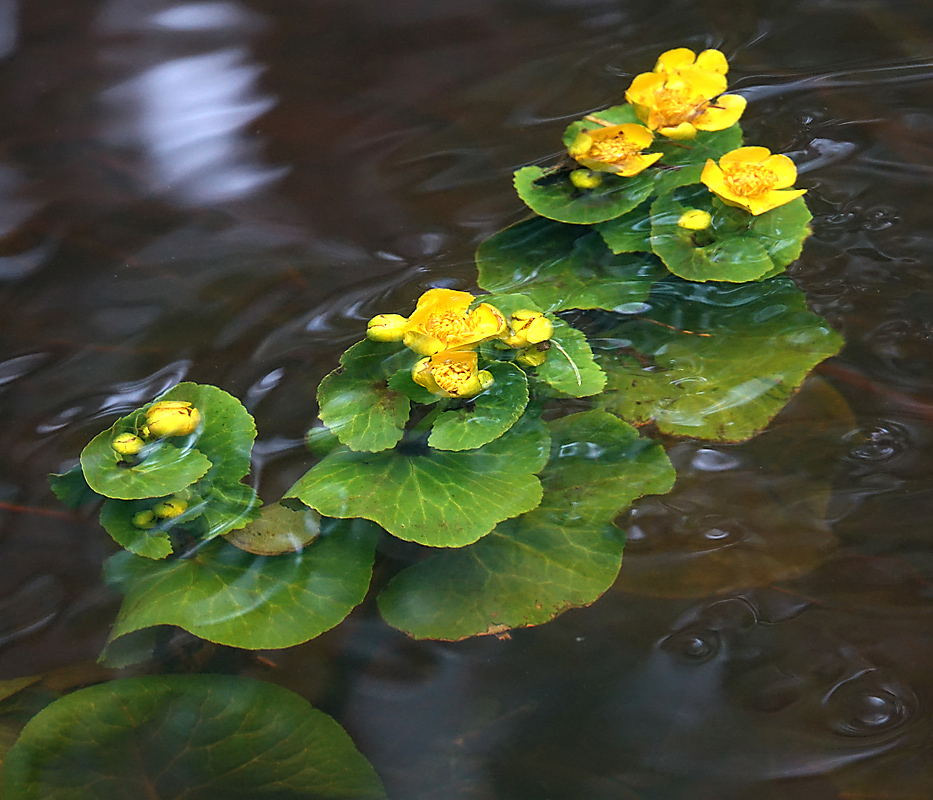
(752, 178)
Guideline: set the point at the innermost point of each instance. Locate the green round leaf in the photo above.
(191, 737)
(563, 554)
(232, 597)
(434, 497)
(735, 256)
(782, 231)
(696, 151)
(552, 195)
(226, 507)
(227, 432)
(564, 266)
(713, 361)
(570, 368)
(166, 469)
(487, 416)
(71, 488)
(356, 402)
(402, 382)
(116, 517)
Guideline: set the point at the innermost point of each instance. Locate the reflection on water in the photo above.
(225, 191)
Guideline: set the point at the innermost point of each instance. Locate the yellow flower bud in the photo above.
(532, 357)
(171, 508)
(528, 328)
(127, 444)
(144, 520)
(585, 179)
(695, 220)
(387, 328)
(172, 418)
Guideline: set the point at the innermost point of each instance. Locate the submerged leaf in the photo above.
(228, 596)
(186, 736)
(279, 529)
(564, 266)
(434, 497)
(563, 554)
(713, 361)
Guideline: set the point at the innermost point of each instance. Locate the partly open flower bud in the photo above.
(144, 520)
(528, 328)
(695, 220)
(585, 179)
(127, 444)
(452, 374)
(171, 508)
(172, 418)
(387, 328)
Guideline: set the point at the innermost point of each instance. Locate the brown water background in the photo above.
(225, 191)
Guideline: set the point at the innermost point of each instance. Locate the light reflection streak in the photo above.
(190, 114)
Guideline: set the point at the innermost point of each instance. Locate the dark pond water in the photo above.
(225, 191)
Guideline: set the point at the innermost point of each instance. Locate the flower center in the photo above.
(675, 105)
(612, 150)
(447, 326)
(451, 375)
(749, 180)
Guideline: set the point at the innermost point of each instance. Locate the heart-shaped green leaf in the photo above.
(71, 488)
(630, 233)
(564, 266)
(439, 498)
(229, 596)
(116, 517)
(487, 416)
(356, 402)
(563, 554)
(186, 737)
(713, 361)
(278, 529)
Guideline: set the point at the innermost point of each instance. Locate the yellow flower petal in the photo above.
(745, 155)
(675, 59)
(785, 170)
(683, 131)
(452, 374)
(386, 328)
(441, 321)
(722, 113)
(713, 60)
(616, 149)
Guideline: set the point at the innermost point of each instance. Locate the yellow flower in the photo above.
(527, 328)
(695, 219)
(752, 178)
(532, 357)
(452, 374)
(387, 328)
(616, 148)
(677, 99)
(144, 520)
(584, 179)
(172, 418)
(441, 321)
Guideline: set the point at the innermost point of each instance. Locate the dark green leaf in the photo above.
(552, 195)
(225, 507)
(197, 737)
(487, 416)
(434, 497)
(564, 266)
(713, 361)
(561, 555)
(71, 488)
(356, 402)
(229, 596)
(630, 233)
(402, 382)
